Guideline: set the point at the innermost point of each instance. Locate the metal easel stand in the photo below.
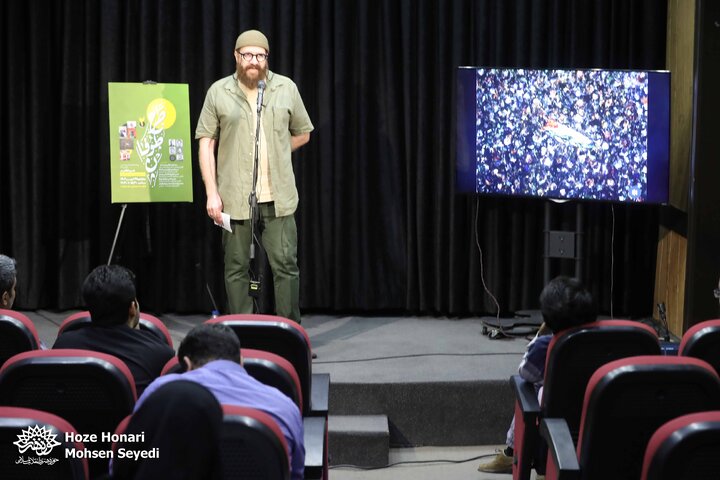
(117, 232)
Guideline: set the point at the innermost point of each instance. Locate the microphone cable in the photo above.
(499, 327)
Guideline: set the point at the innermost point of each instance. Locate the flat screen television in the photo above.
(564, 134)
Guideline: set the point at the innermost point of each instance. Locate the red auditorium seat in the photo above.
(252, 446)
(289, 340)
(13, 421)
(265, 367)
(147, 322)
(573, 356)
(17, 334)
(702, 341)
(93, 391)
(172, 366)
(625, 402)
(274, 370)
(277, 372)
(685, 448)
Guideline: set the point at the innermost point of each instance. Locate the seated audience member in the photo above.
(564, 303)
(211, 354)
(109, 293)
(183, 421)
(8, 281)
(8, 285)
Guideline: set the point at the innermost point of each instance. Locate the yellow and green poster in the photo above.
(150, 156)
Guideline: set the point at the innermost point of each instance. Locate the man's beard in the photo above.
(251, 82)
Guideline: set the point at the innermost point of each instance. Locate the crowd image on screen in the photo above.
(562, 133)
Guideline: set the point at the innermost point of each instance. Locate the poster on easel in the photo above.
(150, 156)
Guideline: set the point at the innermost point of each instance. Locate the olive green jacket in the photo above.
(227, 116)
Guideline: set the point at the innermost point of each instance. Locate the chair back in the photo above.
(75, 321)
(685, 448)
(172, 366)
(153, 324)
(17, 334)
(266, 367)
(93, 391)
(275, 371)
(575, 354)
(702, 341)
(277, 335)
(148, 322)
(252, 446)
(627, 400)
(23, 456)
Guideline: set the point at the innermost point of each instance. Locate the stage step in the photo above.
(362, 440)
(431, 413)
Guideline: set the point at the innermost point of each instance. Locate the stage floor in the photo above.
(375, 349)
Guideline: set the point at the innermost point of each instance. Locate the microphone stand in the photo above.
(253, 191)
(254, 286)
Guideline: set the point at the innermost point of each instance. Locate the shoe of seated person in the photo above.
(501, 463)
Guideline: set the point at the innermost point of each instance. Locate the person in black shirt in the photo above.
(109, 293)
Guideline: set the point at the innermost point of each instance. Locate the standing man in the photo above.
(8, 281)
(228, 121)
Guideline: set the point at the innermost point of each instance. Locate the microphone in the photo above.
(663, 318)
(261, 91)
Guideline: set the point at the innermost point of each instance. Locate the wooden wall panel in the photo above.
(670, 278)
(672, 245)
(679, 58)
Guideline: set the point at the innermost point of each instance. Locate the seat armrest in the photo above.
(314, 438)
(562, 459)
(525, 397)
(319, 395)
(527, 412)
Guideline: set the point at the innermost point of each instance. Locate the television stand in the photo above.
(563, 244)
(525, 322)
(559, 244)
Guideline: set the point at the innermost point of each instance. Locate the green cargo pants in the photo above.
(279, 239)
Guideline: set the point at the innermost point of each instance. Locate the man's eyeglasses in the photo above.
(247, 56)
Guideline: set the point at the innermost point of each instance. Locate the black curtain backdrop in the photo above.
(381, 227)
